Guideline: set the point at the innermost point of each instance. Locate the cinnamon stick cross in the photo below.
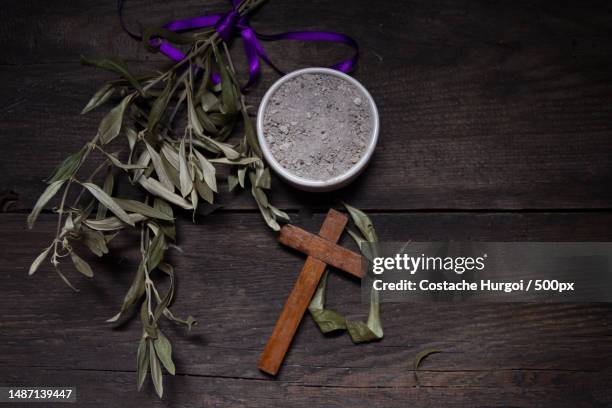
(322, 251)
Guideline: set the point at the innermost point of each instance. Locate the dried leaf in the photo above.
(113, 223)
(143, 160)
(110, 126)
(116, 162)
(160, 104)
(132, 137)
(156, 188)
(115, 65)
(224, 148)
(44, 198)
(39, 260)
(81, 265)
(101, 96)
(68, 167)
(105, 199)
(163, 349)
(250, 136)
(184, 174)
(133, 294)
(422, 355)
(194, 121)
(159, 168)
(95, 241)
(205, 192)
(263, 179)
(156, 374)
(142, 359)
(171, 155)
(228, 97)
(109, 182)
(65, 279)
(142, 208)
(232, 182)
(209, 101)
(362, 222)
(240, 162)
(208, 171)
(241, 174)
(156, 251)
(328, 320)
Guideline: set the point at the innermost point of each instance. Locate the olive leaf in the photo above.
(250, 136)
(115, 65)
(156, 251)
(194, 121)
(39, 260)
(142, 359)
(171, 155)
(362, 222)
(98, 98)
(159, 168)
(113, 223)
(44, 198)
(184, 174)
(116, 162)
(132, 137)
(67, 168)
(81, 265)
(209, 101)
(228, 97)
(142, 208)
(208, 171)
(110, 126)
(232, 182)
(105, 199)
(156, 374)
(143, 161)
(205, 191)
(224, 148)
(95, 241)
(156, 188)
(167, 228)
(133, 294)
(239, 162)
(163, 348)
(65, 279)
(160, 104)
(109, 182)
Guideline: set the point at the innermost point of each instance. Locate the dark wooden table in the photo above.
(496, 125)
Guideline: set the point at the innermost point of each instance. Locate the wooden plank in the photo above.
(495, 353)
(522, 152)
(103, 389)
(436, 30)
(477, 110)
(299, 298)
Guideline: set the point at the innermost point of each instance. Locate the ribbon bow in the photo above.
(227, 24)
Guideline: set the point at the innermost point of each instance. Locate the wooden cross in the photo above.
(322, 250)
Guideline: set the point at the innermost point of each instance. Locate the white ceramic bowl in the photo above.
(317, 185)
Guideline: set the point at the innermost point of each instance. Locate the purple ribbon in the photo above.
(227, 24)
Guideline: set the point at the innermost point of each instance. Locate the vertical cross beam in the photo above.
(299, 298)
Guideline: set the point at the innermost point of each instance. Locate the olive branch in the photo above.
(175, 127)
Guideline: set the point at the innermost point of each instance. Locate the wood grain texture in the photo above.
(493, 354)
(299, 298)
(495, 125)
(322, 249)
(483, 105)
